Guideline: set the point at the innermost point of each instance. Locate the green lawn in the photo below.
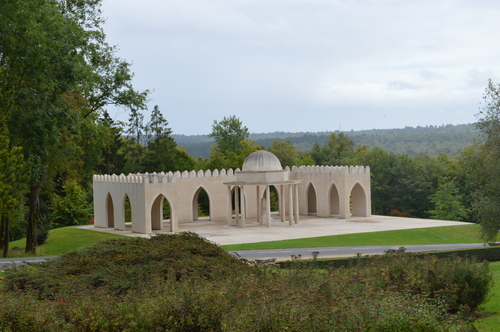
(66, 239)
(62, 240)
(433, 235)
(491, 322)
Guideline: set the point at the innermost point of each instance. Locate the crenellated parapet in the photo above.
(122, 178)
(331, 169)
(162, 177)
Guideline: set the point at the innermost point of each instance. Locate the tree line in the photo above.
(430, 140)
(58, 77)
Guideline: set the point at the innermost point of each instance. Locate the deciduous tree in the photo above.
(58, 69)
(12, 184)
(228, 134)
(232, 146)
(286, 153)
(486, 165)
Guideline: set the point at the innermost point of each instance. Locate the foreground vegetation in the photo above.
(183, 282)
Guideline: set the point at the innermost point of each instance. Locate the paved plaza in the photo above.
(221, 233)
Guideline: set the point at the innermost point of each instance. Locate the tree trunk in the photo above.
(34, 209)
(4, 235)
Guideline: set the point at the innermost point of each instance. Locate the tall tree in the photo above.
(286, 153)
(228, 134)
(486, 166)
(12, 183)
(232, 146)
(59, 70)
(136, 131)
(112, 155)
(161, 147)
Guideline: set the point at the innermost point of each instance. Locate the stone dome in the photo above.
(262, 161)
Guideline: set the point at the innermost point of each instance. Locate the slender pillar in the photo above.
(259, 206)
(290, 203)
(296, 203)
(236, 205)
(243, 207)
(229, 206)
(282, 201)
(174, 223)
(268, 207)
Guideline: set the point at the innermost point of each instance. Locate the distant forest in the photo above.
(414, 141)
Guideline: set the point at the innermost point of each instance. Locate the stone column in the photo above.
(282, 201)
(296, 203)
(243, 207)
(174, 224)
(268, 206)
(259, 206)
(229, 206)
(290, 203)
(236, 205)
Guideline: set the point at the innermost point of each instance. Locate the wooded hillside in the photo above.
(430, 140)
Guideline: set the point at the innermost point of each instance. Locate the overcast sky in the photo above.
(309, 65)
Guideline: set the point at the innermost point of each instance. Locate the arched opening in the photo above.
(110, 211)
(311, 200)
(201, 204)
(358, 201)
(334, 200)
(160, 212)
(127, 211)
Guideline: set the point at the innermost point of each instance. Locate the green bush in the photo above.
(42, 229)
(183, 282)
(73, 207)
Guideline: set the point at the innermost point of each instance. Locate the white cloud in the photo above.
(305, 60)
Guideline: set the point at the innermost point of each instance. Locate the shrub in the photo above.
(42, 229)
(73, 208)
(454, 282)
(183, 282)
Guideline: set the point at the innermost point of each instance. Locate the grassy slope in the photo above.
(66, 239)
(492, 308)
(433, 235)
(62, 240)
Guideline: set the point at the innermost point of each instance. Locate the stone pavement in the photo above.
(220, 233)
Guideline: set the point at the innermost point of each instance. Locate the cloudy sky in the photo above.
(309, 65)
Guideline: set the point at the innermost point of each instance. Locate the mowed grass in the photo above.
(433, 235)
(491, 312)
(62, 240)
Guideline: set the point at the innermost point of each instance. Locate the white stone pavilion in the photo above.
(237, 197)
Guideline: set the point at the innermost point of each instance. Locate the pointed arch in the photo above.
(160, 211)
(110, 212)
(201, 203)
(312, 207)
(334, 200)
(358, 201)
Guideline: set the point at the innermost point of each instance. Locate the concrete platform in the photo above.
(309, 226)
